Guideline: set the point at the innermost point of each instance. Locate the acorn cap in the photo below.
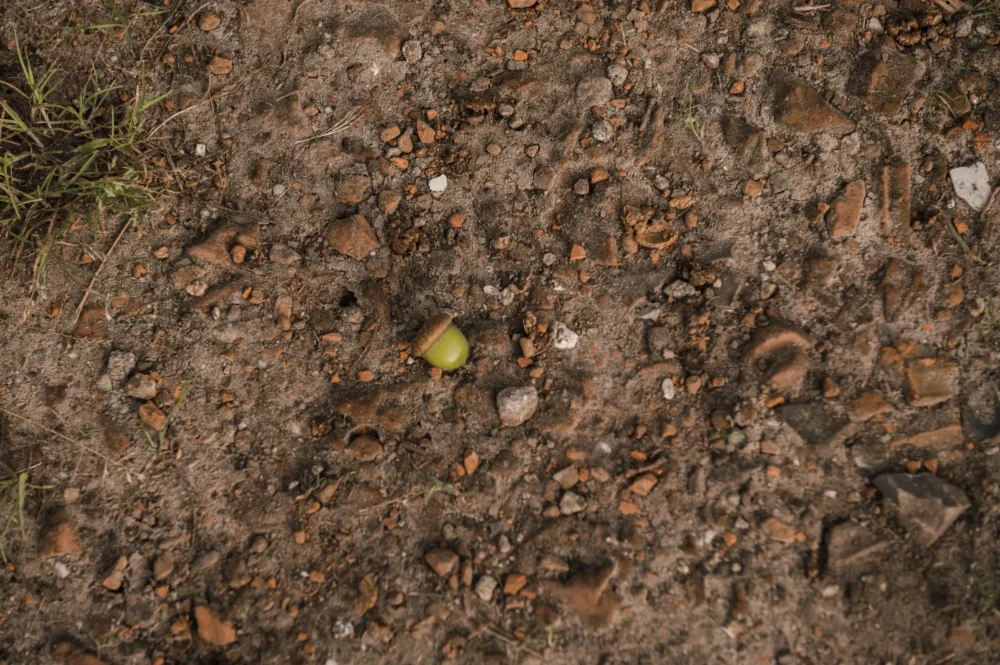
(426, 336)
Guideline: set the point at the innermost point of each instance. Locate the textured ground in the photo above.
(769, 437)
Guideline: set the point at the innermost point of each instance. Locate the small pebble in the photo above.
(562, 337)
(439, 183)
(485, 587)
(278, 189)
(412, 51)
(669, 389)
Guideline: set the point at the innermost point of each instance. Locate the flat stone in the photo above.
(443, 562)
(884, 78)
(114, 578)
(388, 201)
(812, 421)
(353, 236)
(845, 211)
(572, 503)
(594, 91)
(852, 547)
(567, 477)
(778, 531)
(163, 566)
(924, 504)
(516, 405)
(942, 438)
(284, 255)
(869, 404)
(894, 208)
(352, 188)
(521, 4)
(930, 381)
(438, 184)
(211, 629)
(699, 6)
(972, 185)
(802, 109)
(141, 386)
(644, 484)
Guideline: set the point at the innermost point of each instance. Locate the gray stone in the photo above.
(572, 503)
(594, 91)
(563, 338)
(972, 185)
(120, 365)
(581, 187)
(485, 588)
(517, 405)
(617, 74)
(680, 289)
(412, 51)
(924, 504)
(204, 562)
(543, 178)
(602, 131)
(567, 477)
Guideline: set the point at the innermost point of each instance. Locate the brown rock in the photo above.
(699, 6)
(352, 188)
(405, 143)
(141, 386)
(187, 274)
(60, 537)
(220, 66)
(588, 595)
(163, 566)
(802, 109)
(388, 201)
(606, 253)
(353, 236)
(868, 405)
(931, 381)
(114, 578)
(521, 4)
(443, 562)
(845, 211)
(884, 78)
(830, 388)
(949, 436)
(69, 653)
(390, 133)
(567, 478)
(91, 324)
(644, 484)
(210, 629)
(778, 531)
(425, 133)
(366, 598)
(514, 583)
(152, 417)
(209, 22)
(214, 249)
(788, 351)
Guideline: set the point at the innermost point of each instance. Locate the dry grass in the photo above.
(65, 160)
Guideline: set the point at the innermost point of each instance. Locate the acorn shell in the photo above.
(429, 333)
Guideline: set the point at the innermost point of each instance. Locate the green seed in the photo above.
(449, 351)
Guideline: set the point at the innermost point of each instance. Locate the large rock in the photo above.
(353, 236)
(884, 78)
(802, 109)
(930, 381)
(924, 504)
(517, 405)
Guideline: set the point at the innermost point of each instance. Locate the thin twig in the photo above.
(61, 436)
(341, 125)
(184, 110)
(489, 630)
(808, 9)
(97, 273)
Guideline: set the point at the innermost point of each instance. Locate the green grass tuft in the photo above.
(12, 499)
(65, 162)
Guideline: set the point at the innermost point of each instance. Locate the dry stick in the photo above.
(97, 273)
(805, 9)
(61, 436)
(489, 630)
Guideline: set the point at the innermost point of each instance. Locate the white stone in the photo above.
(972, 184)
(439, 183)
(485, 588)
(572, 503)
(278, 189)
(563, 338)
(669, 389)
(517, 405)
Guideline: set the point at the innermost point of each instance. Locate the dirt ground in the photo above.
(720, 244)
